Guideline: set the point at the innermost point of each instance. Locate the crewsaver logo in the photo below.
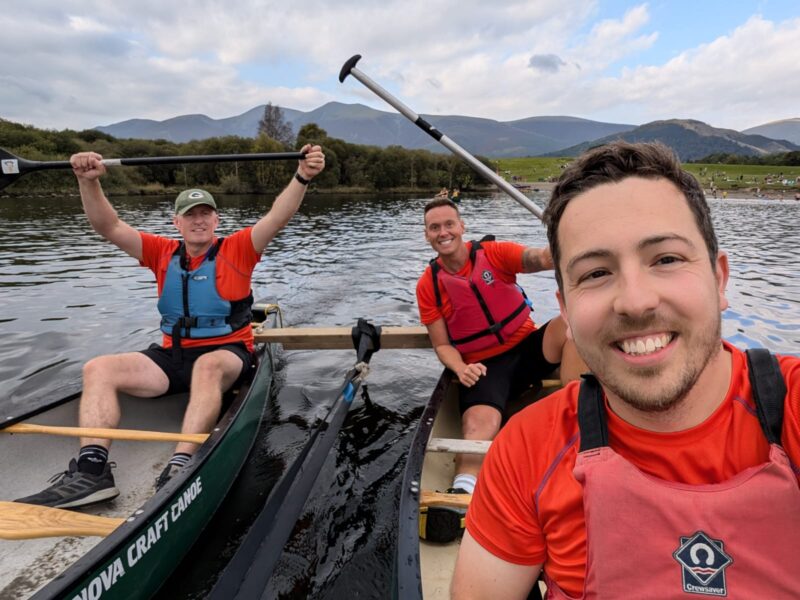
(703, 562)
(487, 277)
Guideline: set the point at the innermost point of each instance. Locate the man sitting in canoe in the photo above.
(479, 323)
(204, 299)
(670, 477)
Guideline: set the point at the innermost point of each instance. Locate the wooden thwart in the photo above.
(340, 338)
(457, 446)
(428, 498)
(20, 521)
(111, 434)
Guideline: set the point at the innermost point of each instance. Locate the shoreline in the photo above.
(737, 194)
(523, 186)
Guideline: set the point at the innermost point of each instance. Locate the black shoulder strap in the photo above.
(769, 391)
(180, 251)
(214, 250)
(592, 414)
(477, 246)
(184, 261)
(435, 275)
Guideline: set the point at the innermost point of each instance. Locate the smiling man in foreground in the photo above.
(666, 476)
(205, 303)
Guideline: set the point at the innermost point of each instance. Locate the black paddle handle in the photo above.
(168, 160)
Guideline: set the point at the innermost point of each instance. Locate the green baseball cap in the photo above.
(188, 199)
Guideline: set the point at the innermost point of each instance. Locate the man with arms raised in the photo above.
(204, 300)
(670, 477)
(479, 323)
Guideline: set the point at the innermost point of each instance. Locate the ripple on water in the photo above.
(339, 259)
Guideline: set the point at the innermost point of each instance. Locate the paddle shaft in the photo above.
(110, 434)
(12, 167)
(248, 572)
(172, 160)
(349, 68)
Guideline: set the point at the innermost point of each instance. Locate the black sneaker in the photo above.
(169, 471)
(74, 488)
(456, 491)
(441, 524)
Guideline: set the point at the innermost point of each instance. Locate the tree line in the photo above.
(349, 167)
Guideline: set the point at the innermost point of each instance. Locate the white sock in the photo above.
(466, 482)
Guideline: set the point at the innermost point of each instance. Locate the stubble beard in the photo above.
(641, 388)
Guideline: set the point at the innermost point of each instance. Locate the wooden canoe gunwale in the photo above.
(68, 583)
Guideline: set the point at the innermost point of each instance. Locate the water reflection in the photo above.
(67, 295)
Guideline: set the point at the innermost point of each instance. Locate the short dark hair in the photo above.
(613, 162)
(437, 202)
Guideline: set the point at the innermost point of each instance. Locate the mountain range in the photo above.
(692, 140)
(533, 136)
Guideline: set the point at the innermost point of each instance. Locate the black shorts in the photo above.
(179, 372)
(509, 374)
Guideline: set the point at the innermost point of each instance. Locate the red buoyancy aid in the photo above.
(650, 538)
(486, 310)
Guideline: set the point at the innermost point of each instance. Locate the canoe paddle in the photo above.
(13, 167)
(247, 574)
(349, 68)
(20, 521)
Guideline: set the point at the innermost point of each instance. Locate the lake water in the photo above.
(66, 296)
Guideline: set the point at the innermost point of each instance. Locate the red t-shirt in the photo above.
(528, 507)
(506, 258)
(235, 263)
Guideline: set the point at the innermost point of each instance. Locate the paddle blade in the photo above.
(9, 168)
(20, 521)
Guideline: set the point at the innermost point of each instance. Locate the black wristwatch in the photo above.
(301, 179)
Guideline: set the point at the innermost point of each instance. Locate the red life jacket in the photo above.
(650, 538)
(486, 310)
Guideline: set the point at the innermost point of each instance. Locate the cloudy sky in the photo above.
(73, 64)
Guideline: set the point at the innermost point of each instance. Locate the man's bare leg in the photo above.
(212, 375)
(105, 377)
(479, 422)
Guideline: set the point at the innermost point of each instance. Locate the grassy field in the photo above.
(723, 177)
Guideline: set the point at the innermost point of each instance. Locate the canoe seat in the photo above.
(457, 446)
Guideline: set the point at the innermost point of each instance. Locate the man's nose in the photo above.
(636, 296)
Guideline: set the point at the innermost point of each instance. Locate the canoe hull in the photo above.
(135, 560)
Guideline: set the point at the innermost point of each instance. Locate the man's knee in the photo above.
(98, 369)
(208, 367)
(219, 367)
(555, 336)
(481, 420)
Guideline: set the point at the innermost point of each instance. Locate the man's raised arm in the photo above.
(287, 203)
(88, 168)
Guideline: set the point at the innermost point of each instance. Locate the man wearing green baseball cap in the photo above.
(188, 199)
(204, 300)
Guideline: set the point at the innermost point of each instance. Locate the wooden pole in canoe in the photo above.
(441, 499)
(19, 521)
(340, 338)
(111, 434)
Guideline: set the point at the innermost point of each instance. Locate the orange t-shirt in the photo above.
(528, 507)
(236, 260)
(506, 258)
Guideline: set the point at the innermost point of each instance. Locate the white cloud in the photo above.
(79, 64)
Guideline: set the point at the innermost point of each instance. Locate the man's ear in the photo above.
(722, 272)
(562, 309)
